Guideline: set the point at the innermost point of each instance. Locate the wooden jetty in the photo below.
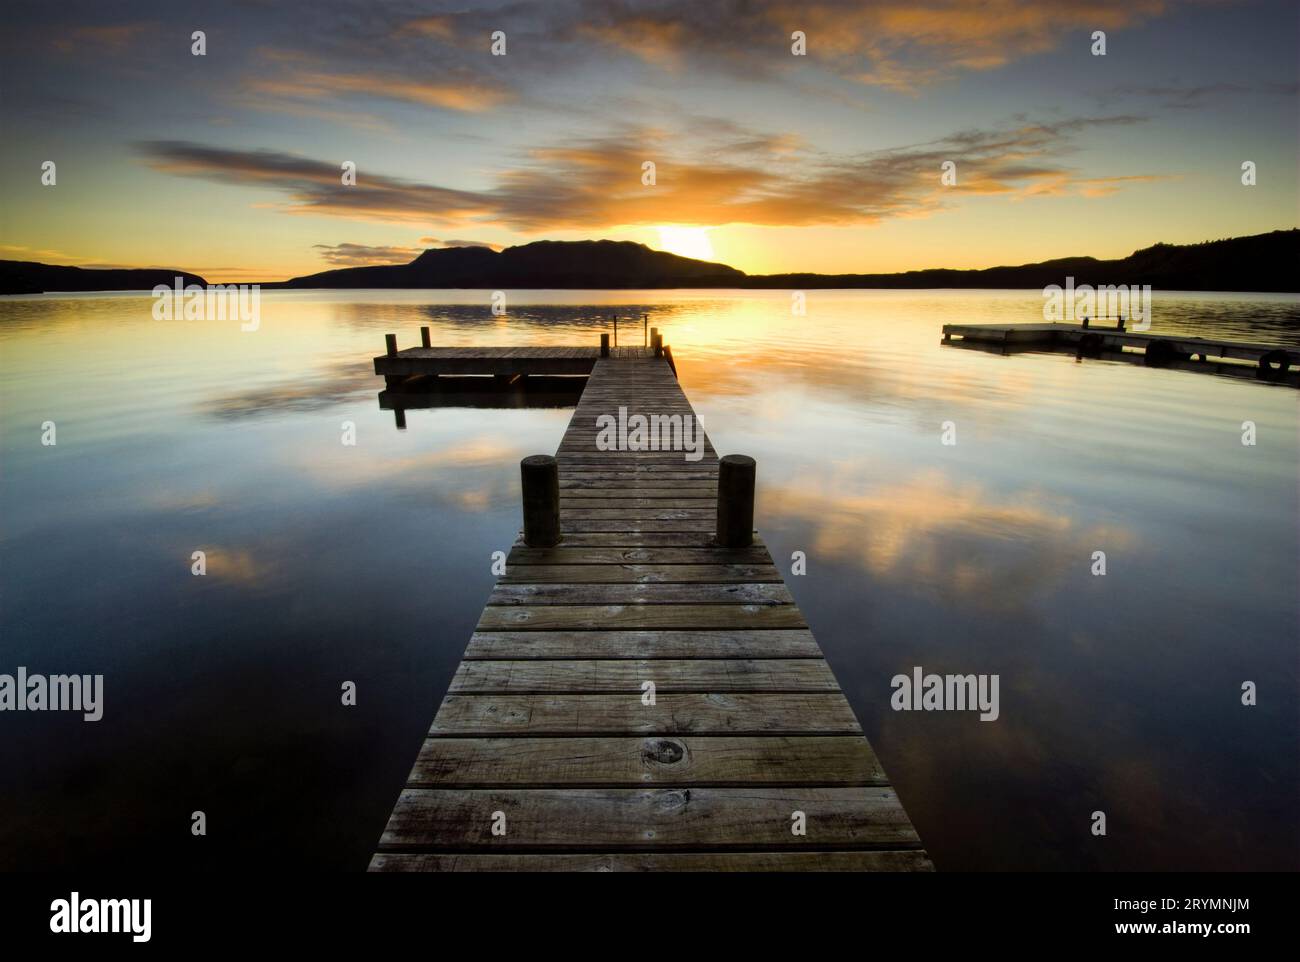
(1270, 358)
(498, 361)
(548, 751)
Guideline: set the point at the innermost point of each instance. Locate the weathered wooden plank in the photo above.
(643, 644)
(720, 761)
(702, 528)
(638, 516)
(705, 473)
(587, 453)
(569, 554)
(654, 593)
(629, 675)
(638, 617)
(661, 818)
(574, 488)
(517, 572)
(636, 539)
(632, 505)
(641, 462)
(900, 860)
(673, 713)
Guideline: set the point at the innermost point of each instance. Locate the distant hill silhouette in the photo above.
(562, 264)
(1263, 262)
(29, 277)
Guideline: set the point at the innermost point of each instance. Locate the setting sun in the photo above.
(686, 241)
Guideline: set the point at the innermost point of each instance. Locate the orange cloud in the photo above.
(114, 38)
(316, 85)
(440, 27)
(596, 184)
(900, 44)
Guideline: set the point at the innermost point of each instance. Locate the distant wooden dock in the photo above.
(545, 733)
(1270, 359)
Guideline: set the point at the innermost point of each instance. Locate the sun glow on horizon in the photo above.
(687, 242)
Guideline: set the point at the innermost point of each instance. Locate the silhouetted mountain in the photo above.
(549, 264)
(29, 277)
(1265, 262)
(1262, 262)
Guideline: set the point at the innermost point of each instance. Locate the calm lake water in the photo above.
(329, 563)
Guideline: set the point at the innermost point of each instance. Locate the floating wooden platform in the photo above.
(1170, 347)
(498, 361)
(544, 721)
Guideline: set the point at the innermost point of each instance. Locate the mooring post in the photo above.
(424, 337)
(1120, 325)
(391, 341)
(604, 345)
(736, 501)
(645, 330)
(540, 475)
(616, 330)
(657, 342)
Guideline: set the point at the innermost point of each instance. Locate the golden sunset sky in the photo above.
(229, 164)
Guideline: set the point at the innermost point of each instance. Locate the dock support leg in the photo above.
(399, 418)
(540, 475)
(736, 501)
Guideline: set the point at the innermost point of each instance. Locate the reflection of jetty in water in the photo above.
(500, 391)
(1271, 363)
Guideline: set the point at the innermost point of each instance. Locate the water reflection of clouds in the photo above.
(951, 536)
(884, 379)
(237, 566)
(470, 473)
(325, 386)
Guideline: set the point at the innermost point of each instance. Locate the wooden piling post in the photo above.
(657, 342)
(604, 345)
(399, 418)
(391, 341)
(616, 330)
(736, 501)
(540, 475)
(424, 337)
(645, 330)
